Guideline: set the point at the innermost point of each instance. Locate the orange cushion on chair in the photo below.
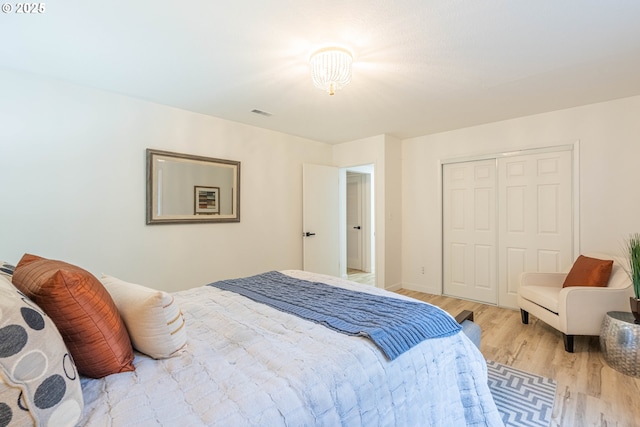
(83, 312)
(589, 272)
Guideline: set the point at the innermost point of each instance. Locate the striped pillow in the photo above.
(153, 319)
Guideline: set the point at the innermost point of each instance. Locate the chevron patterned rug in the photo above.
(523, 399)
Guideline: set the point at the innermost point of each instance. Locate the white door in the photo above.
(535, 218)
(469, 230)
(355, 221)
(320, 219)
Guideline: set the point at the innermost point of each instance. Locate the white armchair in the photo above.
(574, 310)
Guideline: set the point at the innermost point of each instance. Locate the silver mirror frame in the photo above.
(151, 199)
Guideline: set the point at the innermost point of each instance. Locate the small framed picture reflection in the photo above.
(206, 200)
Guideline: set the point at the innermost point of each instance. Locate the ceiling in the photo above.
(420, 66)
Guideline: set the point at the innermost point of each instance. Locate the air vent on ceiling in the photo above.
(262, 113)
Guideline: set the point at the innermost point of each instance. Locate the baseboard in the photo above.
(433, 290)
(394, 287)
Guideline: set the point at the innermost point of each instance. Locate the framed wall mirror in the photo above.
(182, 188)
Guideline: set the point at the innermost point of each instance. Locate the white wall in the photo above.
(393, 212)
(361, 152)
(384, 152)
(72, 186)
(609, 135)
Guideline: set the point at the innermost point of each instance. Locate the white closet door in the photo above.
(469, 230)
(535, 218)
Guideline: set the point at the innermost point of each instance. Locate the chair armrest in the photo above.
(542, 279)
(583, 305)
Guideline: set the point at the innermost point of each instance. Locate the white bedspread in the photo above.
(250, 365)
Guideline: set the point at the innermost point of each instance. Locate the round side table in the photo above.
(620, 342)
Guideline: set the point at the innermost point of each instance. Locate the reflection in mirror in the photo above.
(182, 188)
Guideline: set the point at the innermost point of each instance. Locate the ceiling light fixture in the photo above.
(331, 68)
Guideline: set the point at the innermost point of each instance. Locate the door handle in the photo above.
(357, 227)
(307, 234)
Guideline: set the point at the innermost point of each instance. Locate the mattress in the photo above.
(247, 364)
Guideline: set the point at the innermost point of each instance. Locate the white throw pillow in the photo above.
(39, 382)
(153, 319)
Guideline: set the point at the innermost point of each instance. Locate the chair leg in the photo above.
(568, 343)
(525, 316)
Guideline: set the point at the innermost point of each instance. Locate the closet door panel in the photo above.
(514, 265)
(534, 218)
(469, 230)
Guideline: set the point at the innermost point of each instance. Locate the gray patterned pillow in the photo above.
(6, 269)
(39, 383)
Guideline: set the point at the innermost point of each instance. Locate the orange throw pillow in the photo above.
(589, 272)
(83, 312)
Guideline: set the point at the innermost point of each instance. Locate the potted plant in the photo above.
(633, 253)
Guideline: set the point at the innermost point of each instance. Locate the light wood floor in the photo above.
(589, 393)
(361, 277)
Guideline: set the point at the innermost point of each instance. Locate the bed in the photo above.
(248, 364)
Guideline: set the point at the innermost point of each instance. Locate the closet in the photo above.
(503, 215)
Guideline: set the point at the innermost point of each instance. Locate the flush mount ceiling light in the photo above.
(331, 68)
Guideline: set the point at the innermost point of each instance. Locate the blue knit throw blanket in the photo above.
(394, 325)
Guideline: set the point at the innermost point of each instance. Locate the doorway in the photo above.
(359, 236)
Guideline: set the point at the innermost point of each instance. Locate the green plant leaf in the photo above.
(633, 253)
